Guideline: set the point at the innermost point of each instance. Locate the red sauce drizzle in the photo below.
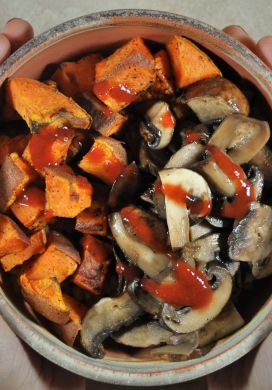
(128, 271)
(244, 189)
(142, 229)
(32, 197)
(189, 288)
(112, 166)
(168, 120)
(119, 92)
(196, 206)
(192, 136)
(41, 145)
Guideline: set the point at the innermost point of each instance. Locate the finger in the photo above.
(264, 50)
(241, 35)
(18, 32)
(5, 48)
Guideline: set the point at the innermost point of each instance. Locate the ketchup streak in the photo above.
(119, 92)
(168, 120)
(244, 189)
(191, 136)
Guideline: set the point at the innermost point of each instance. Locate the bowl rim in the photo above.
(111, 371)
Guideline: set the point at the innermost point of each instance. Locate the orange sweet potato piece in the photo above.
(39, 104)
(91, 273)
(105, 121)
(68, 332)
(9, 145)
(59, 261)
(66, 194)
(36, 246)
(15, 174)
(29, 209)
(106, 159)
(94, 219)
(49, 147)
(45, 297)
(163, 84)
(12, 238)
(121, 77)
(74, 78)
(190, 64)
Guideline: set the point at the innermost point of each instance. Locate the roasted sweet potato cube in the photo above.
(163, 84)
(36, 246)
(94, 219)
(49, 147)
(15, 174)
(68, 332)
(45, 297)
(12, 238)
(189, 63)
(66, 194)
(91, 273)
(9, 145)
(29, 209)
(73, 78)
(105, 121)
(59, 261)
(39, 104)
(121, 77)
(106, 159)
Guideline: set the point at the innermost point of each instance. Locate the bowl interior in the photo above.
(102, 32)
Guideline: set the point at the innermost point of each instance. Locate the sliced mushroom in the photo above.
(251, 238)
(186, 156)
(227, 322)
(144, 257)
(262, 269)
(143, 299)
(183, 189)
(241, 137)
(104, 318)
(188, 320)
(200, 230)
(263, 159)
(218, 222)
(147, 335)
(187, 343)
(150, 160)
(204, 249)
(256, 177)
(215, 98)
(158, 126)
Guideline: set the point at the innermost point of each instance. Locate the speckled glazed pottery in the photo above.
(101, 31)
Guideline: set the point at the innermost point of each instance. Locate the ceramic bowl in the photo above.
(97, 32)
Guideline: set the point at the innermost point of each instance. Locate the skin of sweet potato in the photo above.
(45, 297)
(36, 246)
(189, 63)
(106, 159)
(74, 78)
(12, 238)
(59, 260)
(39, 104)
(163, 84)
(9, 145)
(75, 193)
(121, 77)
(68, 332)
(15, 175)
(91, 273)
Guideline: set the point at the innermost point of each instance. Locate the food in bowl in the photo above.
(138, 201)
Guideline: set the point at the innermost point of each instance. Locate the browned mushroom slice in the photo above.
(185, 346)
(227, 322)
(256, 177)
(158, 126)
(262, 269)
(186, 156)
(200, 230)
(185, 191)
(104, 318)
(251, 238)
(204, 249)
(189, 319)
(214, 99)
(141, 254)
(241, 137)
(263, 159)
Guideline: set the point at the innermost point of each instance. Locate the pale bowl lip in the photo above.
(115, 372)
